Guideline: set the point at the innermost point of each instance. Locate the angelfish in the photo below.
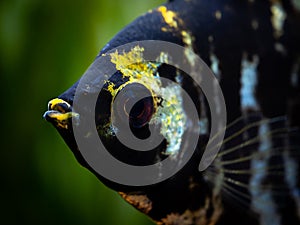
(253, 49)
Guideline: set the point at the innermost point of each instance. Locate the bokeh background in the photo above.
(45, 46)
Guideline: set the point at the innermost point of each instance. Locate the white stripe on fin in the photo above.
(215, 65)
(248, 82)
(262, 201)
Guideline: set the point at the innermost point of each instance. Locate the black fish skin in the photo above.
(224, 27)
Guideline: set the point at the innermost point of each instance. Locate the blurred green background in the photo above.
(45, 46)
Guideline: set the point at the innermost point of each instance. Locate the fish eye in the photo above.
(135, 103)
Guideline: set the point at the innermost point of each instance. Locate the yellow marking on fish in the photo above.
(163, 29)
(123, 61)
(111, 88)
(278, 18)
(188, 40)
(54, 102)
(134, 66)
(141, 202)
(62, 118)
(169, 16)
(197, 216)
(137, 69)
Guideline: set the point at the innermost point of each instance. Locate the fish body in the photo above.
(253, 48)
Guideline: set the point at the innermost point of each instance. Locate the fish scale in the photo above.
(253, 47)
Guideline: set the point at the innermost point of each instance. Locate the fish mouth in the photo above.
(60, 114)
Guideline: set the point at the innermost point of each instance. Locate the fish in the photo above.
(252, 49)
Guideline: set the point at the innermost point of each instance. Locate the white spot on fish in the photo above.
(215, 68)
(254, 24)
(280, 48)
(215, 65)
(262, 201)
(249, 82)
(172, 117)
(203, 124)
(278, 18)
(218, 15)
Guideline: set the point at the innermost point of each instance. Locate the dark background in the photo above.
(45, 46)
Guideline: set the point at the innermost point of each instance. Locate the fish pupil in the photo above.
(141, 112)
(136, 104)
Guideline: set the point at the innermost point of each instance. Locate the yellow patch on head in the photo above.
(126, 60)
(133, 66)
